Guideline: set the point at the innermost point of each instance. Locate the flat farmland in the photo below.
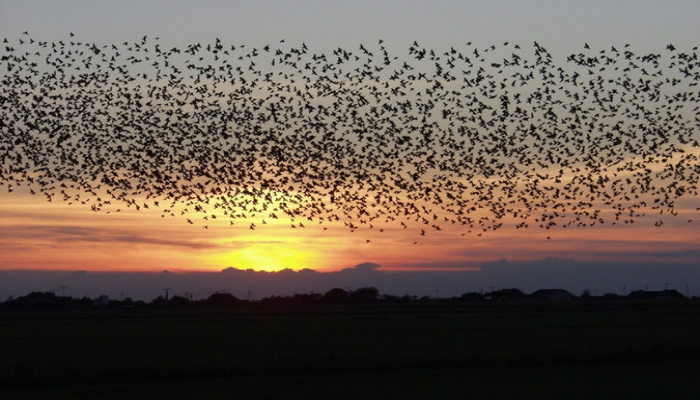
(402, 350)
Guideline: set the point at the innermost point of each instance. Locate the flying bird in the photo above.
(479, 137)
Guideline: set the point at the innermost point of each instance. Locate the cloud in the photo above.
(546, 273)
(547, 262)
(635, 246)
(198, 245)
(365, 267)
(434, 266)
(574, 275)
(680, 254)
(75, 234)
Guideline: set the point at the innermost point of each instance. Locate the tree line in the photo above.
(52, 301)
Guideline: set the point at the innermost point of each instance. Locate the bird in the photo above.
(478, 136)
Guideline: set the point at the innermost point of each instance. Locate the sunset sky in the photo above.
(39, 235)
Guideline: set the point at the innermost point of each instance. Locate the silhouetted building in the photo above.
(505, 294)
(552, 295)
(222, 299)
(101, 301)
(655, 294)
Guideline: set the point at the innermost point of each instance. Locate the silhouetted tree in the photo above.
(335, 296)
(473, 296)
(390, 298)
(364, 295)
(305, 298)
(159, 301)
(178, 301)
(38, 299)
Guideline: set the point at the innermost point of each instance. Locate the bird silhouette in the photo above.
(480, 137)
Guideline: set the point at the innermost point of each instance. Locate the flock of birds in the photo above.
(478, 137)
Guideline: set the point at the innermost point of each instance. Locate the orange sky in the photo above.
(36, 234)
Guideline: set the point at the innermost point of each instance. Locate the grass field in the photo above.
(412, 350)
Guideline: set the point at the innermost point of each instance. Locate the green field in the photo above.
(413, 350)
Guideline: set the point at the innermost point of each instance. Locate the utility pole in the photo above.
(63, 290)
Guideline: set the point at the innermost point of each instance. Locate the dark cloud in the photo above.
(198, 245)
(529, 276)
(681, 254)
(365, 267)
(633, 248)
(544, 263)
(613, 277)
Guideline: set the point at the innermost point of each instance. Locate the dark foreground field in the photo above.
(435, 350)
